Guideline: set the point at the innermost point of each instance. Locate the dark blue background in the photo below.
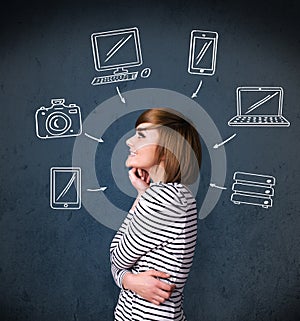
(55, 264)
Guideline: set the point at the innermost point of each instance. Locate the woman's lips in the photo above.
(132, 153)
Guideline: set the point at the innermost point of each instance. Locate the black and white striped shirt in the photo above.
(160, 234)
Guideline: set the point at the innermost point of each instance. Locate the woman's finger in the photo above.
(156, 302)
(141, 174)
(159, 299)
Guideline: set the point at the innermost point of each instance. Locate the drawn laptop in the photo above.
(259, 106)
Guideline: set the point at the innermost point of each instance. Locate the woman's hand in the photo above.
(140, 179)
(147, 285)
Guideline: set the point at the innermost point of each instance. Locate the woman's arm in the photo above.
(140, 179)
(159, 217)
(146, 284)
(118, 273)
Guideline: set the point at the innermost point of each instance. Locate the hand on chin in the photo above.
(140, 179)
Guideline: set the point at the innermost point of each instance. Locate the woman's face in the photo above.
(143, 147)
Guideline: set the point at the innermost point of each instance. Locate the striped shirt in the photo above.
(159, 234)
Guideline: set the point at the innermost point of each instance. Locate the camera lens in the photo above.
(58, 123)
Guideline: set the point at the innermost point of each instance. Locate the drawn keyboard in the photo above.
(272, 120)
(108, 79)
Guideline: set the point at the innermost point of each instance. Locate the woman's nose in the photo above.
(129, 142)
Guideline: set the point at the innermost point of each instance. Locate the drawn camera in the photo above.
(58, 120)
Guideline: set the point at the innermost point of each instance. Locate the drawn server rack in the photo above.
(253, 189)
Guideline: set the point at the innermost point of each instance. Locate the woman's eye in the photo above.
(140, 135)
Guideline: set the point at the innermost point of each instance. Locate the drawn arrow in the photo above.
(101, 189)
(194, 95)
(225, 141)
(99, 140)
(216, 186)
(120, 95)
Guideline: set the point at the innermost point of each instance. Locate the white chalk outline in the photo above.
(217, 186)
(212, 38)
(99, 140)
(274, 91)
(253, 180)
(120, 95)
(195, 93)
(115, 48)
(120, 74)
(146, 72)
(46, 118)
(76, 177)
(100, 189)
(225, 141)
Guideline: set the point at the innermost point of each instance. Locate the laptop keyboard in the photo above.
(259, 119)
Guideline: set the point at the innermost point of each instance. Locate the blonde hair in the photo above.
(179, 144)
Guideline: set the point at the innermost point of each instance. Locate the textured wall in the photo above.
(55, 263)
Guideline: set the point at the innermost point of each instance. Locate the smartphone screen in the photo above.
(203, 52)
(65, 187)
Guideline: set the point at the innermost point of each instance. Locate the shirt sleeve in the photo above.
(159, 218)
(117, 273)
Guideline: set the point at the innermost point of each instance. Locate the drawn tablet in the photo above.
(65, 188)
(203, 52)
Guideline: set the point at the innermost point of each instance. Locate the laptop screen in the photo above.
(259, 101)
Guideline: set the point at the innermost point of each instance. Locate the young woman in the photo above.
(152, 253)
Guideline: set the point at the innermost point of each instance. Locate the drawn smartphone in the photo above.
(203, 52)
(65, 188)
